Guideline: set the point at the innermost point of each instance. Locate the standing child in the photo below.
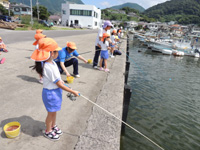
(114, 33)
(104, 45)
(52, 83)
(38, 36)
(2, 46)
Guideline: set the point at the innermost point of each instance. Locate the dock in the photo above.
(84, 125)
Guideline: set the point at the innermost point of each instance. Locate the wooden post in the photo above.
(126, 102)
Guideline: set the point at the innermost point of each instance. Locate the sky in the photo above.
(108, 3)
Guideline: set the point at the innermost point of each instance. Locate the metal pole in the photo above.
(8, 8)
(38, 10)
(31, 14)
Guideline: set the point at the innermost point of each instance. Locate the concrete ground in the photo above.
(20, 97)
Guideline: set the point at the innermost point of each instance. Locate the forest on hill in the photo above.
(182, 11)
(54, 6)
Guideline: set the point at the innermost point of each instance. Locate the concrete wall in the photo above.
(103, 131)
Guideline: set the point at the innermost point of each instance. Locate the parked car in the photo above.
(89, 27)
(44, 22)
(76, 26)
(5, 18)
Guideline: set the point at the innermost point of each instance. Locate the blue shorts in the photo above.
(112, 45)
(52, 99)
(104, 54)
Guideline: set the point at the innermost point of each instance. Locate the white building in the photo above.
(79, 14)
(5, 3)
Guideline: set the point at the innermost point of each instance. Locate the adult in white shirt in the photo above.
(106, 29)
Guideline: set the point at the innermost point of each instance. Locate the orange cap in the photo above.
(71, 45)
(39, 31)
(105, 35)
(45, 46)
(38, 37)
(114, 31)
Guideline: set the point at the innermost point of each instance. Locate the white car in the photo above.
(89, 27)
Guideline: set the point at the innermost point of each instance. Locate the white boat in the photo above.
(166, 51)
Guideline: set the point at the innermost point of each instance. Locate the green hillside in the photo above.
(182, 11)
(52, 5)
(131, 5)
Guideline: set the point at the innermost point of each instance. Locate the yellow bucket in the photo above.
(70, 79)
(89, 61)
(12, 129)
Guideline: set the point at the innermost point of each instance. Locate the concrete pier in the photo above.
(85, 126)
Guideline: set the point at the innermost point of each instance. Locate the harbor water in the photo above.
(165, 102)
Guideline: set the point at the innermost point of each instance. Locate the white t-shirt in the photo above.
(104, 46)
(100, 34)
(36, 46)
(51, 76)
(112, 38)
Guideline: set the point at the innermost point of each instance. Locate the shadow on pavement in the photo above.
(27, 78)
(88, 66)
(29, 126)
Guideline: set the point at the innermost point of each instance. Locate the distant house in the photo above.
(55, 19)
(195, 30)
(5, 3)
(79, 14)
(132, 24)
(132, 14)
(153, 26)
(20, 9)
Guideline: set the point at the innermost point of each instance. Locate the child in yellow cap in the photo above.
(52, 83)
(2, 46)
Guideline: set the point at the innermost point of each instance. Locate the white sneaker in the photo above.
(112, 56)
(41, 80)
(77, 76)
(95, 67)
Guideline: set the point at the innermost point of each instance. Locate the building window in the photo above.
(95, 23)
(80, 12)
(24, 9)
(64, 12)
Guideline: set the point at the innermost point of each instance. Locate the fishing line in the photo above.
(121, 121)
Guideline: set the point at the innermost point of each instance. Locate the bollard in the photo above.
(126, 102)
(126, 76)
(127, 66)
(127, 55)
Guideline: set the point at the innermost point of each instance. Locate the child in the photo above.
(114, 33)
(52, 86)
(38, 36)
(104, 45)
(2, 46)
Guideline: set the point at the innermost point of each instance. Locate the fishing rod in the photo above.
(122, 121)
(73, 98)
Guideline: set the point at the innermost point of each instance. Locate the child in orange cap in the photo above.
(2, 46)
(38, 36)
(39, 31)
(52, 86)
(113, 44)
(104, 45)
(65, 59)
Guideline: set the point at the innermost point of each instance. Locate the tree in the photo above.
(4, 11)
(43, 12)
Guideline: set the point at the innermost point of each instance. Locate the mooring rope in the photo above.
(121, 121)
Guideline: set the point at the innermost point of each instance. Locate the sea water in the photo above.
(165, 102)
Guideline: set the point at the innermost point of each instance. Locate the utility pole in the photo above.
(31, 13)
(38, 11)
(8, 8)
